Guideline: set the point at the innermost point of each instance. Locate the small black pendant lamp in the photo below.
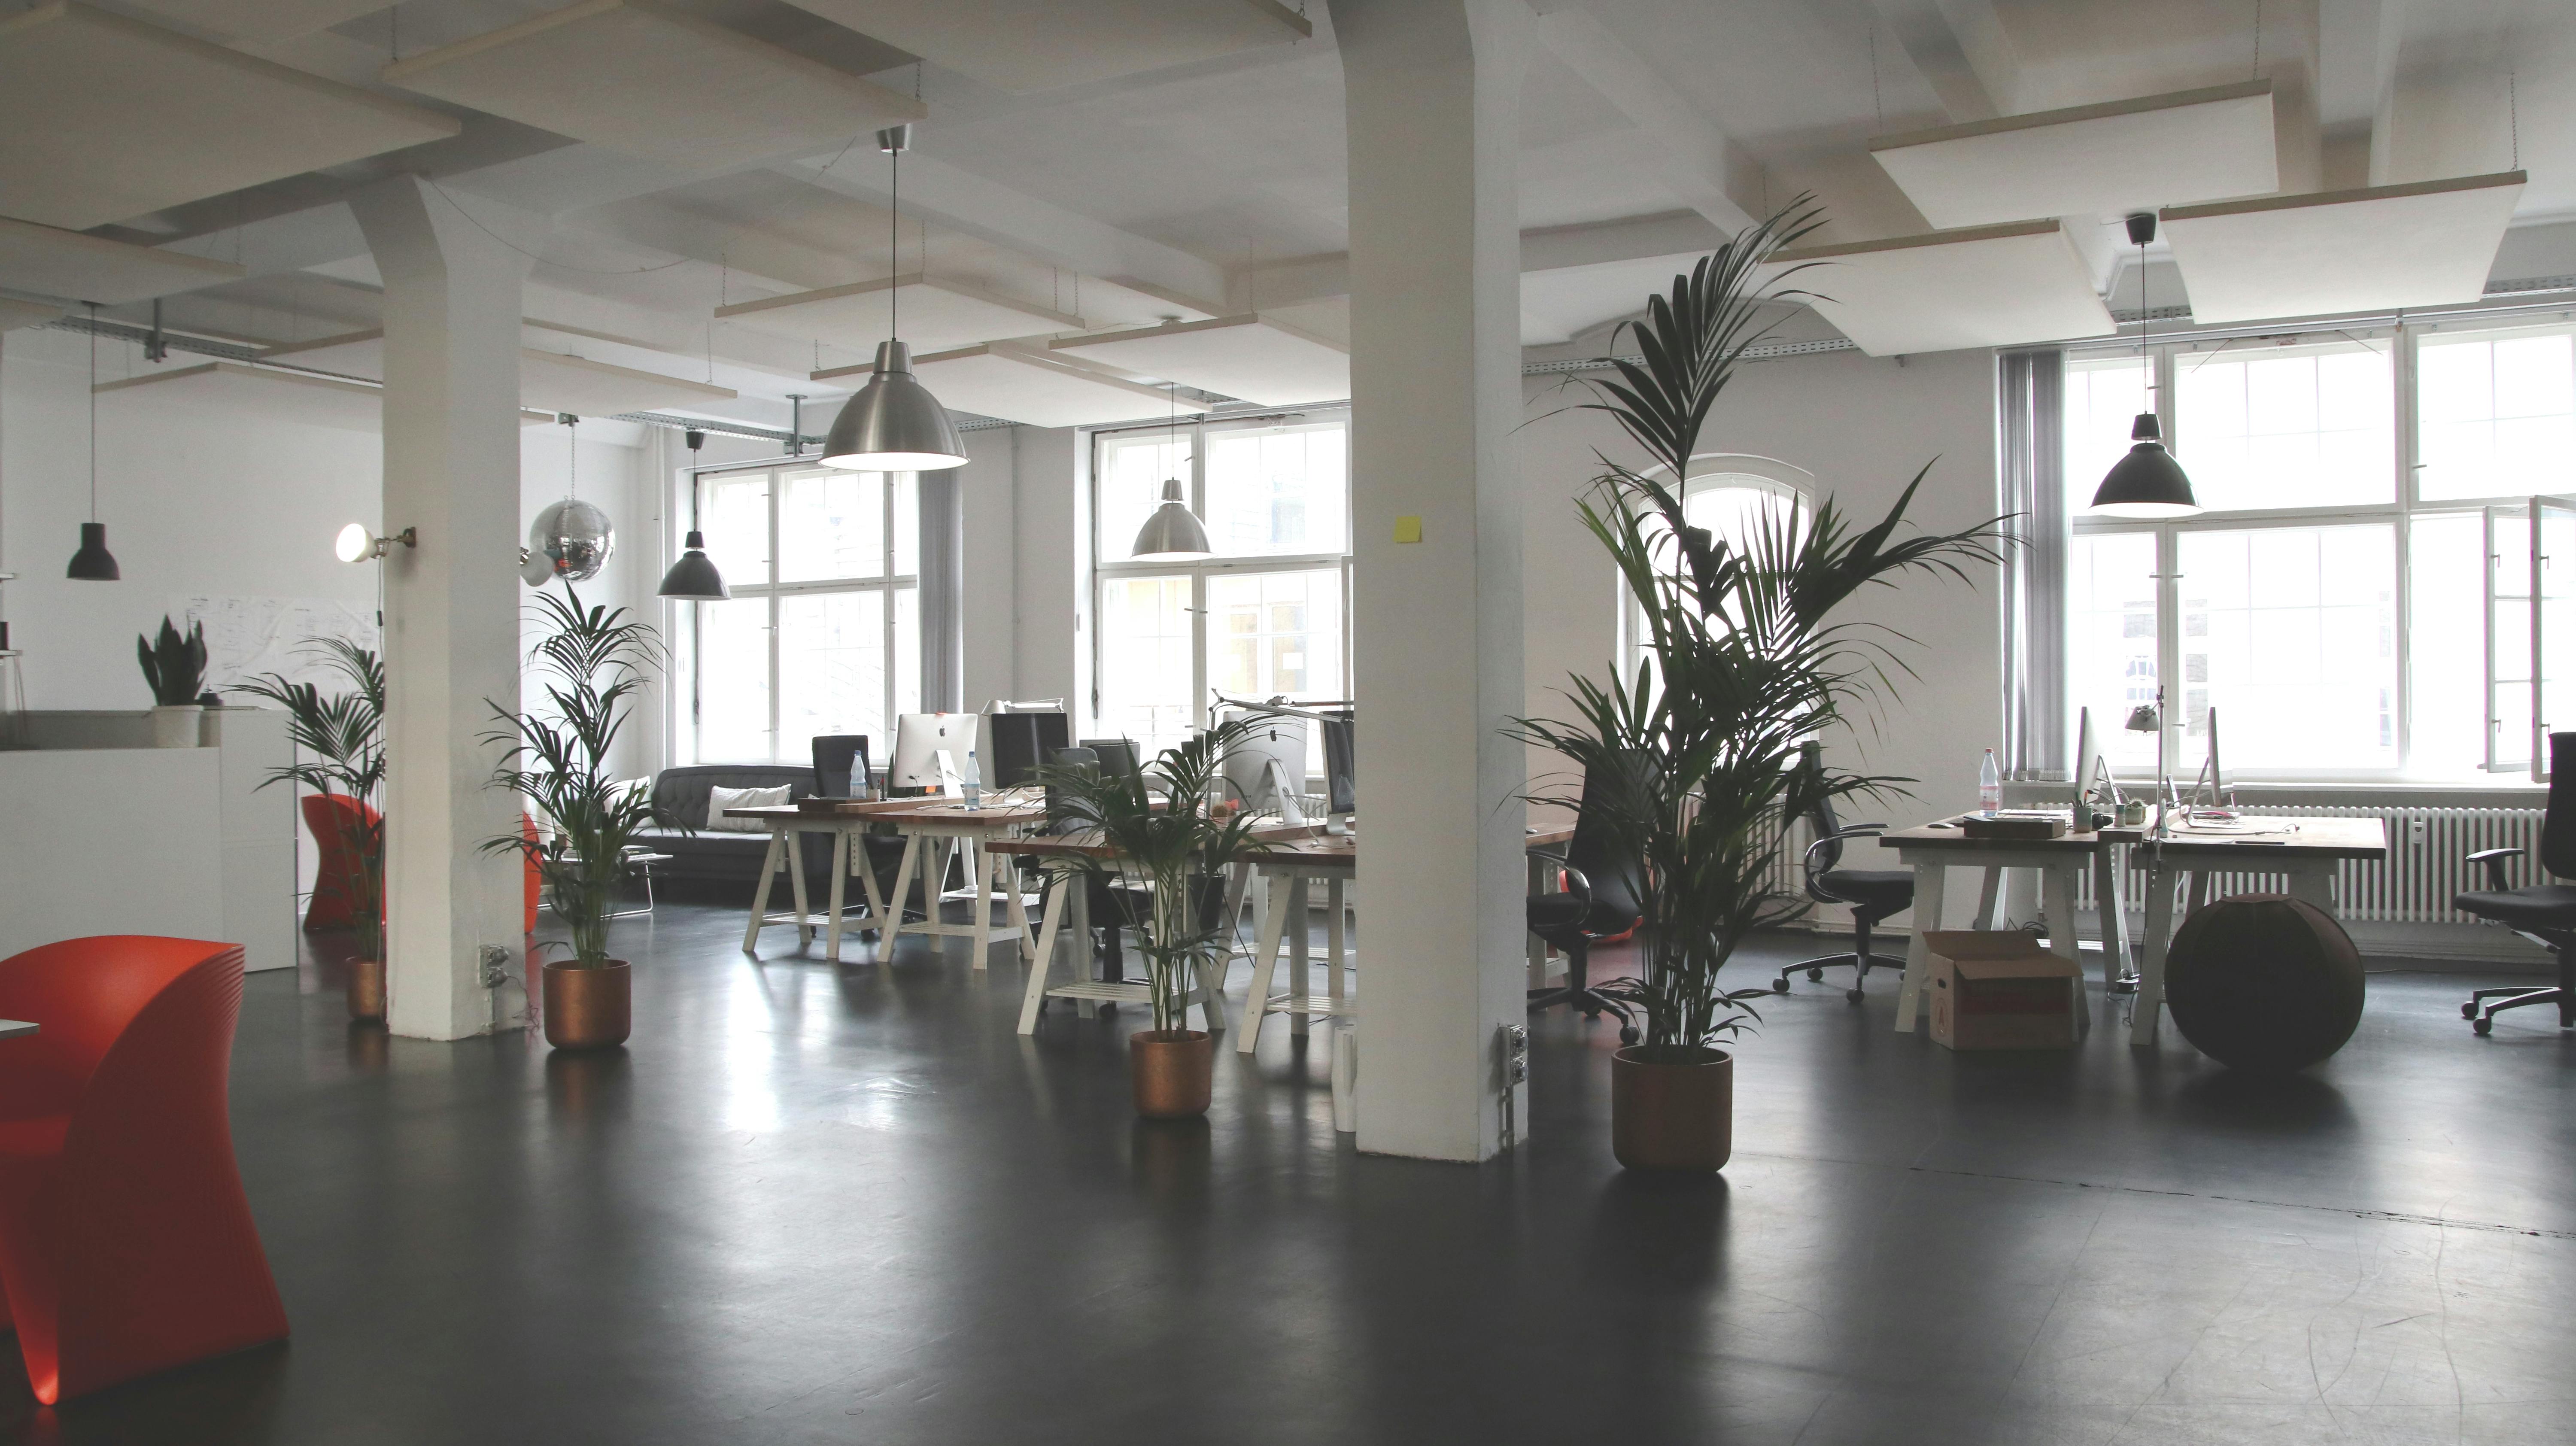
(93, 563)
(694, 577)
(2147, 482)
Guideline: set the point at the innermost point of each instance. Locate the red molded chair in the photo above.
(334, 820)
(529, 877)
(126, 1245)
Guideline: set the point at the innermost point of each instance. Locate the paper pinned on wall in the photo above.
(250, 636)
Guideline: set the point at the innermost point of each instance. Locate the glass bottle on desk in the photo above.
(972, 785)
(1990, 786)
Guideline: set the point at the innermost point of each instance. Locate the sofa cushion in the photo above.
(680, 794)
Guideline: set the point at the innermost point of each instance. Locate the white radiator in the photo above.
(2427, 863)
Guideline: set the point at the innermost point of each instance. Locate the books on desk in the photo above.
(2023, 824)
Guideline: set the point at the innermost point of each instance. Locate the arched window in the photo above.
(1733, 495)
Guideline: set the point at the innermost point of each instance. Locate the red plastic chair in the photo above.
(126, 1245)
(529, 877)
(333, 819)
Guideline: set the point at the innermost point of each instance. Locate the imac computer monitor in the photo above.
(1340, 781)
(1266, 768)
(1021, 741)
(921, 740)
(1117, 755)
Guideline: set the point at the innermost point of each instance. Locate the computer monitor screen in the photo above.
(919, 739)
(1117, 755)
(1248, 772)
(1340, 779)
(1020, 742)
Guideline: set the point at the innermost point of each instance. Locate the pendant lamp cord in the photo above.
(894, 246)
(93, 411)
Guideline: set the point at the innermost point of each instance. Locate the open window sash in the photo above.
(2508, 618)
(2551, 547)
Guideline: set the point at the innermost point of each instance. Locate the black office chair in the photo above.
(1873, 894)
(841, 771)
(1107, 908)
(1600, 901)
(2543, 913)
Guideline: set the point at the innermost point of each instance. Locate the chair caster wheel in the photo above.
(1780, 985)
(1816, 974)
(1628, 1034)
(2482, 1026)
(1855, 996)
(2469, 1010)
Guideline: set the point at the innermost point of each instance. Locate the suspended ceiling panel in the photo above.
(1248, 356)
(1985, 286)
(260, 19)
(1562, 303)
(549, 381)
(103, 118)
(1019, 386)
(53, 262)
(655, 82)
(257, 391)
(936, 315)
(1031, 45)
(15, 313)
(2093, 160)
(2428, 243)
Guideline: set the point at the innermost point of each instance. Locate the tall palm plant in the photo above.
(1744, 664)
(594, 660)
(340, 746)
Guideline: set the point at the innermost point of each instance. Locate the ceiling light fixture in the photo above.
(1172, 532)
(93, 563)
(694, 577)
(2147, 482)
(570, 539)
(894, 424)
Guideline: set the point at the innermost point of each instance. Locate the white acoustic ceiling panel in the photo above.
(15, 313)
(260, 19)
(103, 118)
(1984, 286)
(1248, 356)
(655, 82)
(2093, 160)
(2427, 243)
(549, 381)
(1562, 303)
(1031, 45)
(935, 315)
(256, 391)
(1021, 386)
(50, 261)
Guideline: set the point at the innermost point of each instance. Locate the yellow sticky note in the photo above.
(1408, 529)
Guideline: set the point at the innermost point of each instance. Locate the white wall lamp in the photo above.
(357, 544)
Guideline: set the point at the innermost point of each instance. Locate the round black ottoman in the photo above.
(2264, 982)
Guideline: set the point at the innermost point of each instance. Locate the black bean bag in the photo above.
(2264, 982)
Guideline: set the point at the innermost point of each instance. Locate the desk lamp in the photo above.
(2150, 718)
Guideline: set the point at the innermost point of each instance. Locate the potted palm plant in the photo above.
(1744, 666)
(340, 753)
(174, 667)
(594, 659)
(1165, 862)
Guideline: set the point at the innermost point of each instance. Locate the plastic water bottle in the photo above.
(1990, 786)
(973, 782)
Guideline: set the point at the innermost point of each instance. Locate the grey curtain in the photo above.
(2030, 403)
(942, 599)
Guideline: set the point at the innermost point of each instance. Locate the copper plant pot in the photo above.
(589, 1008)
(1172, 1072)
(367, 990)
(1672, 1107)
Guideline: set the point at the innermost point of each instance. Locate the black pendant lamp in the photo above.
(2147, 482)
(894, 424)
(93, 563)
(694, 577)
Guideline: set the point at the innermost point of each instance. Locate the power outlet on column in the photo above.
(496, 966)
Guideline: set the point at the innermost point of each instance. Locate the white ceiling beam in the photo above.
(963, 201)
(2357, 46)
(1960, 50)
(1705, 169)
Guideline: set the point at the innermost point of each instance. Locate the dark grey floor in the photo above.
(812, 1204)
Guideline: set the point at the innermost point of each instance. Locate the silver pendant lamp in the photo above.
(1172, 532)
(694, 577)
(93, 562)
(894, 424)
(2147, 482)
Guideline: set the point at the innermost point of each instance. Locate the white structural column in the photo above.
(451, 308)
(1433, 95)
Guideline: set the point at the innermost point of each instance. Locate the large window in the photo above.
(1265, 615)
(2354, 600)
(1737, 498)
(821, 634)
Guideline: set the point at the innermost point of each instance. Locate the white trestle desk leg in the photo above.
(796, 886)
(868, 884)
(903, 873)
(2199, 891)
(1016, 909)
(2057, 896)
(1033, 999)
(2151, 969)
(1301, 987)
(2110, 900)
(979, 902)
(1335, 955)
(1918, 950)
(760, 895)
(2314, 884)
(1265, 963)
(1989, 898)
(833, 896)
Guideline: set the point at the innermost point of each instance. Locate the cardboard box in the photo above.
(1994, 990)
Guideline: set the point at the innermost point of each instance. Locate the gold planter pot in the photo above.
(588, 1008)
(1172, 1072)
(367, 990)
(1672, 1108)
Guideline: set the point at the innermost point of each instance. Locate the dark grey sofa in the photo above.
(722, 856)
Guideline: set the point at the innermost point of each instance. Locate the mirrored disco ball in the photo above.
(569, 540)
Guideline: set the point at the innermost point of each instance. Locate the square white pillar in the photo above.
(1432, 90)
(451, 426)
